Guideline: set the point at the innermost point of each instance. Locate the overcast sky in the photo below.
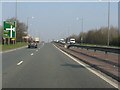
(54, 20)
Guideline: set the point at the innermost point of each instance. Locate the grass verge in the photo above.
(11, 46)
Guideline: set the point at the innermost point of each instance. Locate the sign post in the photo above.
(9, 30)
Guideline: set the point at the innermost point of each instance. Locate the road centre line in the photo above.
(20, 63)
(91, 70)
(31, 54)
(36, 50)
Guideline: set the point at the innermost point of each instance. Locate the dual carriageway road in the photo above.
(46, 67)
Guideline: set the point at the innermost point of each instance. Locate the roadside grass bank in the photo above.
(11, 46)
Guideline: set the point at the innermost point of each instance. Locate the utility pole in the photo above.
(108, 40)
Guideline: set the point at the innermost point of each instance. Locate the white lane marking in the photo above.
(36, 50)
(96, 73)
(41, 47)
(20, 63)
(31, 54)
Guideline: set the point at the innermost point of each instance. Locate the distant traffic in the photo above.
(33, 42)
(64, 41)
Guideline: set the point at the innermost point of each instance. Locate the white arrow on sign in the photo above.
(10, 29)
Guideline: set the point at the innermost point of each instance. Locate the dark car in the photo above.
(32, 45)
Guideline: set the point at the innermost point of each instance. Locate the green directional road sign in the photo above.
(9, 29)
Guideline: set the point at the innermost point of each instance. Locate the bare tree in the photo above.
(99, 36)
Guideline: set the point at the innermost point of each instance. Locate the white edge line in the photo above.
(20, 63)
(96, 73)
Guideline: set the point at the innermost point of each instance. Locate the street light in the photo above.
(81, 27)
(28, 22)
(16, 17)
(108, 40)
(32, 17)
(16, 10)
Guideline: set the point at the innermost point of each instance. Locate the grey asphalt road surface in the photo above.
(46, 67)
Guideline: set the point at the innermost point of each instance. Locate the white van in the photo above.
(72, 41)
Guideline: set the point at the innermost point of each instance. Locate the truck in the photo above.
(37, 39)
(72, 41)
